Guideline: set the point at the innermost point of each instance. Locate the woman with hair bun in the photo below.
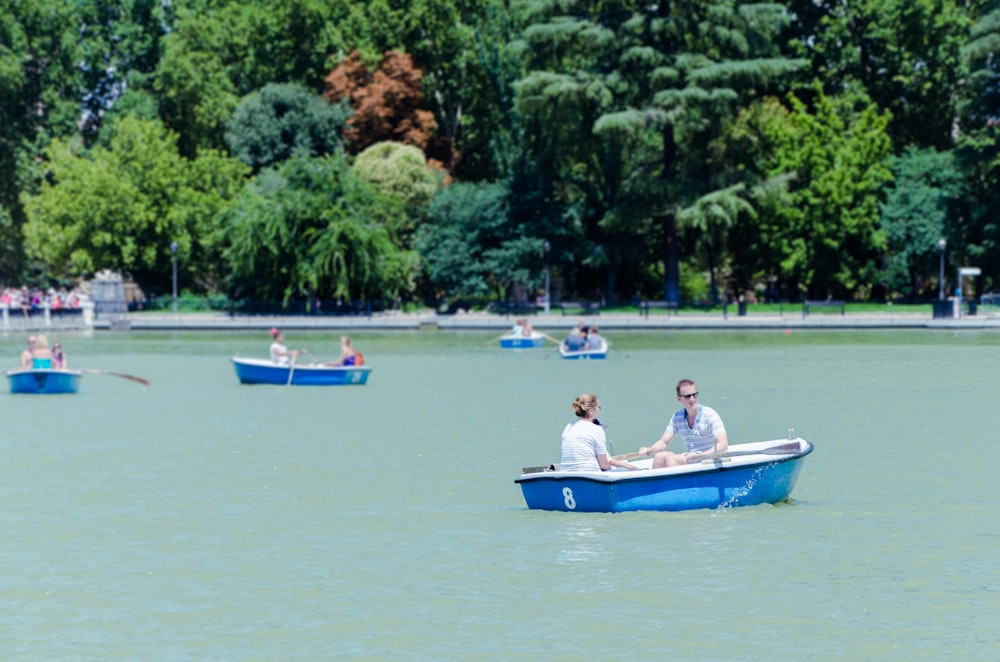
(584, 445)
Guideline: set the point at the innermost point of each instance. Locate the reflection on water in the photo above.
(580, 544)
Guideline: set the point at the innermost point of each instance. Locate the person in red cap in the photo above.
(280, 354)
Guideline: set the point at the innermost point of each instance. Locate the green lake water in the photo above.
(199, 519)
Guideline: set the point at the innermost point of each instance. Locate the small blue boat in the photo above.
(595, 353)
(265, 371)
(745, 475)
(510, 341)
(44, 381)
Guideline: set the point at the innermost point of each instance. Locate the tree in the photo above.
(387, 103)
(402, 172)
(921, 208)
(120, 207)
(284, 120)
(470, 251)
(40, 89)
(829, 230)
(628, 104)
(904, 54)
(308, 226)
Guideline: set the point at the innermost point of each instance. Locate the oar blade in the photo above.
(139, 380)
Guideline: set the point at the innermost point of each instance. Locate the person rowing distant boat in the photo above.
(27, 355)
(280, 354)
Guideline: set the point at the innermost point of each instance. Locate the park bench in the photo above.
(580, 308)
(669, 306)
(807, 305)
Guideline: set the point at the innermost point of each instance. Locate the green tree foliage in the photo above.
(120, 207)
(400, 171)
(977, 233)
(924, 204)
(628, 104)
(40, 88)
(310, 227)
(281, 121)
(829, 232)
(469, 249)
(904, 54)
(219, 52)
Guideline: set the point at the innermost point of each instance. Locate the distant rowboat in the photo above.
(265, 371)
(510, 341)
(44, 381)
(590, 353)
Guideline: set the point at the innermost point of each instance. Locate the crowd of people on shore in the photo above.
(29, 300)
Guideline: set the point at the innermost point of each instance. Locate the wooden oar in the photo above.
(493, 340)
(622, 352)
(558, 342)
(291, 369)
(144, 382)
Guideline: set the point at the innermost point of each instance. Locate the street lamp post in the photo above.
(547, 247)
(942, 244)
(173, 251)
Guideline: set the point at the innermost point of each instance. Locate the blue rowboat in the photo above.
(595, 353)
(265, 371)
(745, 475)
(44, 381)
(510, 341)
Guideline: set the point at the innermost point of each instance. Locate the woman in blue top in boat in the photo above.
(41, 355)
(584, 445)
(700, 426)
(348, 355)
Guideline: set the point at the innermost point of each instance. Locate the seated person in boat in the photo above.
(348, 355)
(26, 355)
(575, 341)
(700, 426)
(528, 329)
(41, 355)
(594, 339)
(58, 357)
(518, 330)
(584, 445)
(280, 354)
